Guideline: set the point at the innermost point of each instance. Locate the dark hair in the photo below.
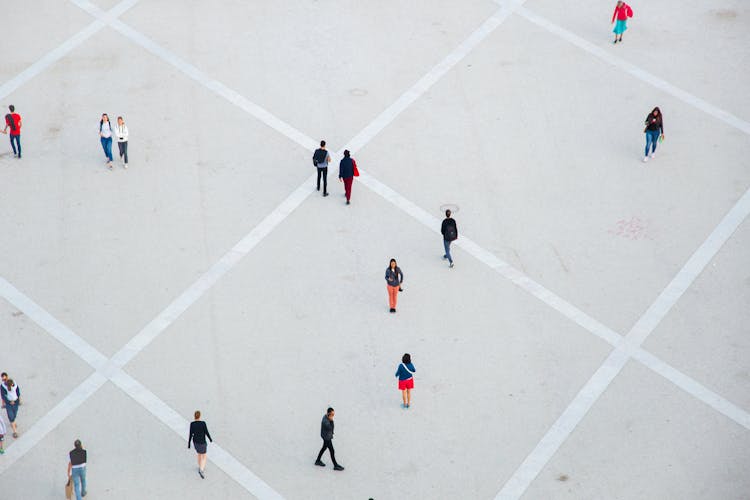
(197, 414)
(346, 153)
(658, 117)
(329, 410)
(447, 213)
(101, 122)
(77, 444)
(12, 108)
(393, 261)
(322, 144)
(406, 358)
(9, 383)
(3, 374)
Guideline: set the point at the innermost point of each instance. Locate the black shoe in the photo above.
(320, 463)
(347, 202)
(318, 188)
(325, 194)
(337, 467)
(200, 472)
(392, 310)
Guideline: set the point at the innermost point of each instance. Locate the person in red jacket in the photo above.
(13, 122)
(621, 14)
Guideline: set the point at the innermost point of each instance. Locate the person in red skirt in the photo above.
(405, 374)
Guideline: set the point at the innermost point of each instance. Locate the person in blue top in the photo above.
(405, 374)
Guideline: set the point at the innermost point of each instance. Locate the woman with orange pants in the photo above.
(393, 277)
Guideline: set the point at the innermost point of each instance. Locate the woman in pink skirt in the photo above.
(405, 374)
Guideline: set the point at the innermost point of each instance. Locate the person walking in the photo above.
(105, 136)
(393, 278)
(11, 396)
(321, 159)
(654, 132)
(77, 469)
(326, 432)
(621, 14)
(122, 140)
(13, 123)
(449, 230)
(3, 379)
(198, 434)
(346, 174)
(405, 374)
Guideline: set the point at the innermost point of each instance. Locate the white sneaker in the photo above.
(652, 154)
(645, 159)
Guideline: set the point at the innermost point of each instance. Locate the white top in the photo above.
(105, 130)
(122, 133)
(12, 393)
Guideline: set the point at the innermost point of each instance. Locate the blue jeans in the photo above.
(107, 146)
(652, 137)
(17, 140)
(79, 481)
(447, 246)
(12, 411)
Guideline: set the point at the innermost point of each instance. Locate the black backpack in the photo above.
(319, 156)
(450, 231)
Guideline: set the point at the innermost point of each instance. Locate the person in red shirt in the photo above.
(13, 122)
(621, 14)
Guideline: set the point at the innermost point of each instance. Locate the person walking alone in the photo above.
(11, 396)
(198, 434)
(105, 136)
(77, 469)
(346, 173)
(405, 374)
(654, 132)
(621, 14)
(326, 432)
(122, 140)
(393, 278)
(321, 159)
(13, 123)
(449, 230)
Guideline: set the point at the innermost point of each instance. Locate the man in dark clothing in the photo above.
(346, 174)
(450, 233)
(77, 469)
(321, 159)
(326, 432)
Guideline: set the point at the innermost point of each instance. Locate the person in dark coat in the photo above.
(449, 230)
(393, 278)
(198, 434)
(346, 174)
(326, 432)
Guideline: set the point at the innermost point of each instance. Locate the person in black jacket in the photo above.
(450, 233)
(346, 174)
(326, 432)
(198, 434)
(654, 131)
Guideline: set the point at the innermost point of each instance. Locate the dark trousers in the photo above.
(17, 140)
(324, 173)
(123, 147)
(327, 443)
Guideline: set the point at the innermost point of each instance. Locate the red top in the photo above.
(16, 122)
(622, 12)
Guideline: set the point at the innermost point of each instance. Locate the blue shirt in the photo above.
(402, 373)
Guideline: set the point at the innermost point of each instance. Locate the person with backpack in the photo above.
(122, 140)
(105, 136)
(405, 374)
(450, 233)
(654, 132)
(621, 14)
(321, 159)
(13, 123)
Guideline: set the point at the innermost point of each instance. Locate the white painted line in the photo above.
(572, 416)
(210, 277)
(62, 410)
(51, 325)
(635, 71)
(230, 465)
(64, 48)
(563, 426)
(690, 271)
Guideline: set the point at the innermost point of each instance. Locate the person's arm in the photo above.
(205, 427)
(190, 435)
(386, 274)
(400, 276)
(328, 158)
(442, 228)
(613, 15)
(70, 469)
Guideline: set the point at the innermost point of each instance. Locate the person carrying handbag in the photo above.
(405, 374)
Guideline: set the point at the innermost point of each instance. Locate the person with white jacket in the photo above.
(122, 140)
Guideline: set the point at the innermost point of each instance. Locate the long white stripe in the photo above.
(635, 71)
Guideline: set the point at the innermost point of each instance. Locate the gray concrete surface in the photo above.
(531, 122)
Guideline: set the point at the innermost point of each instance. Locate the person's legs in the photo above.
(392, 296)
(408, 397)
(320, 173)
(104, 145)
(348, 187)
(12, 411)
(108, 148)
(17, 139)
(77, 482)
(648, 143)
(325, 179)
(403, 396)
(202, 459)
(322, 450)
(13, 145)
(83, 481)
(329, 445)
(654, 140)
(125, 151)
(447, 246)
